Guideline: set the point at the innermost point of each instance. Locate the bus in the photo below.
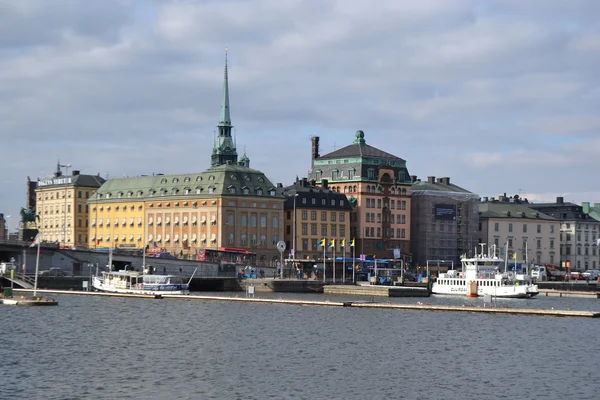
(227, 255)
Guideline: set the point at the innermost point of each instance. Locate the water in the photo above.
(113, 348)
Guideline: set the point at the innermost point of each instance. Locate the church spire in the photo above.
(224, 150)
(225, 119)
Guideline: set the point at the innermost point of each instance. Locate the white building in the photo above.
(516, 228)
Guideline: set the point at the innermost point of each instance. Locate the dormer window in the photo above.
(272, 192)
(163, 180)
(247, 178)
(231, 189)
(259, 192)
(234, 177)
(211, 178)
(198, 178)
(175, 180)
(186, 179)
(261, 179)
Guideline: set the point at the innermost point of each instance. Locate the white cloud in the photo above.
(499, 95)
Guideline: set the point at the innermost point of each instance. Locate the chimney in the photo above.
(445, 180)
(560, 200)
(315, 149)
(413, 178)
(313, 182)
(431, 179)
(304, 182)
(324, 184)
(75, 172)
(279, 185)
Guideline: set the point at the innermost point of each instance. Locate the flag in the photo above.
(322, 243)
(598, 243)
(514, 256)
(331, 243)
(36, 240)
(343, 242)
(352, 243)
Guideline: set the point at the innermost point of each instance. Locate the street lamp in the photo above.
(66, 166)
(294, 233)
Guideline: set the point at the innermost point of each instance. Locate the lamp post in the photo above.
(66, 166)
(294, 233)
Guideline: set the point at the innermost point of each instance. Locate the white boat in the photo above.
(481, 275)
(133, 282)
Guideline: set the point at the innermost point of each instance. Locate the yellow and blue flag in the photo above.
(322, 243)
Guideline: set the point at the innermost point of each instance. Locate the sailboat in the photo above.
(33, 300)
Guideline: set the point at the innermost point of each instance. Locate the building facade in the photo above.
(3, 228)
(378, 187)
(579, 233)
(229, 205)
(519, 232)
(314, 213)
(444, 221)
(61, 207)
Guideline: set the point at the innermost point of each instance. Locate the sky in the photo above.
(500, 96)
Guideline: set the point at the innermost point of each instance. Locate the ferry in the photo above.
(481, 275)
(133, 282)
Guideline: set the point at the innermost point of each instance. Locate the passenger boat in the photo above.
(133, 282)
(481, 275)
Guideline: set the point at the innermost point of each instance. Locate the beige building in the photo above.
(61, 206)
(519, 232)
(316, 213)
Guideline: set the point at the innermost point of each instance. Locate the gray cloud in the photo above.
(500, 95)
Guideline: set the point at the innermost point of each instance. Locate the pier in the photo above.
(346, 304)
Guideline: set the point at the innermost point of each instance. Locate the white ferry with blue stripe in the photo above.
(133, 282)
(481, 275)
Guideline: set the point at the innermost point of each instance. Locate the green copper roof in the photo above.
(221, 180)
(225, 119)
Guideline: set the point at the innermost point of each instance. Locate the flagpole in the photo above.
(353, 261)
(37, 266)
(344, 261)
(324, 258)
(333, 247)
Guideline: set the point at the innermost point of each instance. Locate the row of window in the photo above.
(371, 204)
(333, 202)
(199, 178)
(60, 194)
(370, 232)
(370, 217)
(334, 229)
(568, 237)
(337, 174)
(49, 210)
(313, 216)
(186, 191)
(510, 227)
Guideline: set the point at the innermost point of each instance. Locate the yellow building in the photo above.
(62, 209)
(227, 206)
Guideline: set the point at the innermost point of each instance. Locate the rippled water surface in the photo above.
(113, 348)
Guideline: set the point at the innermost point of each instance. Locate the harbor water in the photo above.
(125, 348)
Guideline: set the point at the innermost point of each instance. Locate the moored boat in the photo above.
(481, 275)
(133, 282)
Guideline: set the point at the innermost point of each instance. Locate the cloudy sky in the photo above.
(502, 96)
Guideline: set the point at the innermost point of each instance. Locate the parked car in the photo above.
(592, 274)
(575, 275)
(54, 271)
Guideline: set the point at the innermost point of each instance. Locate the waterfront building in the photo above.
(314, 213)
(444, 221)
(3, 228)
(378, 187)
(520, 232)
(230, 205)
(61, 209)
(579, 233)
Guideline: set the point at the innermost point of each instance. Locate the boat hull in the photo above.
(515, 292)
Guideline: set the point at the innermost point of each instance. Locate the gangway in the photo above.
(22, 280)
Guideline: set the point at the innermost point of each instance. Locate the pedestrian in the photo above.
(164, 270)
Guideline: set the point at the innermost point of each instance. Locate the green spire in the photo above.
(225, 118)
